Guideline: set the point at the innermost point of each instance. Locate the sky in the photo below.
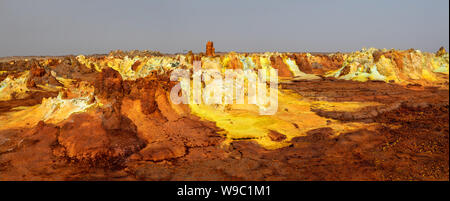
(60, 27)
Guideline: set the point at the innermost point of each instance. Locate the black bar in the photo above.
(279, 189)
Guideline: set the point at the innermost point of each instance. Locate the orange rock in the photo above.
(38, 76)
(210, 51)
(31, 154)
(108, 84)
(143, 89)
(283, 69)
(302, 62)
(394, 55)
(136, 65)
(190, 57)
(36, 70)
(235, 62)
(109, 88)
(441, 52)
(84, 139)
(276, 136)
(158, 151)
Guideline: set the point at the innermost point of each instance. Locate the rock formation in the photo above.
(441, 52)
(373, 114)
(210, 51)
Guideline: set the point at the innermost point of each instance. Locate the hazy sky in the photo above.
(45, 27)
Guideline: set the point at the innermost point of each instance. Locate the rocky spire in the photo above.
(210, 49)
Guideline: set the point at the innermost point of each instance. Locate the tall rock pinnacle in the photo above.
(210, 49)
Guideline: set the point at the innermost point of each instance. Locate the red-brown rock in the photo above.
(210, 51)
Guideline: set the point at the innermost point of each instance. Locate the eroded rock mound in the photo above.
(83, 138)
(39, 76)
